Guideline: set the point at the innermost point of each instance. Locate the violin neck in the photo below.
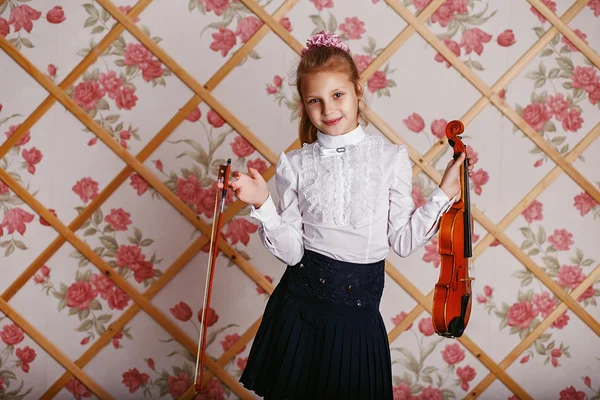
(467, 214)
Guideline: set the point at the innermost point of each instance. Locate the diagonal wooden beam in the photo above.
(128, 315)
(535, 333)
(53, 351)
(106, 269)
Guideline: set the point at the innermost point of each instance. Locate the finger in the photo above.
(254, 174)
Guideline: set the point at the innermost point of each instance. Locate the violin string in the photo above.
(208, 270)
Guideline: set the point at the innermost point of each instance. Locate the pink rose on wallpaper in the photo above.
(570, 276)
(247, 26)
(239, 229)
(414, 122)
(32, 157)
(544, 302)
(561, 239)
(42, 220)
(399, 318)
(259, 164)
(402, 392)
(51, 70)
(15, 220)
(56, 15)
(11, 335)
(241, 147)
(260, 290)
(153, 70)
(111, 83)
(465, 374)
(182, 311)
(521, 314)
(585, 78)
(3, 188)
(133, 379)
(142, 270)
(594, 5)
(21, 17)
(548, 3)
(211, 318)
(118, 219)
(561, 321)
(80, 294)
(189, 190)
(126, 9)
(4, 27)
(116, 339)
(584, 202)
(478, 179)
(558, 105)
(571, 393)
(432, 254)
(126, 99)
(426, 326)
(453, 353)
(218, 6)
(26, 356)
(128, 255)
(103, 284)
(438, 128)
(224, 40)
(569, 44)
(421, 4)
(118, 299)
(87, 94)
(286, 23)
(445, 13)
(212, 391)
(77, 389)
(242, 362)
(453, 47)
(24, 140)
(362, 61)
(194, 115)
(353, 28)
(506, 38)
(86, 189)
(178, 385)
(572, 120)
(215, 119)
(206, 200)
(139, 184)
(473, 40)
(321, 4)
(536, 115)
(229, 341)
(430, 393)
(378, 81)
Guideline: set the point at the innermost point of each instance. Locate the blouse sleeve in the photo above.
(280, 227)
(409, 227)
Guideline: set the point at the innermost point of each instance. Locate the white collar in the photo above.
(351, 138)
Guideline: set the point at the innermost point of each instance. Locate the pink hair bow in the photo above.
(325, 39)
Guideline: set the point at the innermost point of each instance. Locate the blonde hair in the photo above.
(323, 59)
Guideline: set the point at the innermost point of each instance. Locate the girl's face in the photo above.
(331, 102)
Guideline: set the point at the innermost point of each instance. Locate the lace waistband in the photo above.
(339, 282)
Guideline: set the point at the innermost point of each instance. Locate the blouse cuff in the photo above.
(266, 214)
(438, 204)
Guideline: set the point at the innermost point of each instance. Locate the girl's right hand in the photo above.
(251, 189)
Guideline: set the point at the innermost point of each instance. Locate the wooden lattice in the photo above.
(142, 301)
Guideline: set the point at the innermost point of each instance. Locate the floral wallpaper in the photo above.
(129, 224)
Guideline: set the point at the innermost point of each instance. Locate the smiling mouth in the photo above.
(332, 122)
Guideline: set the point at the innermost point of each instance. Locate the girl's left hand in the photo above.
(450, 183)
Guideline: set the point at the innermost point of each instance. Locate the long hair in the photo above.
(320, 59)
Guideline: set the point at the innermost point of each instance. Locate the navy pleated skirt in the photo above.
(322, 336)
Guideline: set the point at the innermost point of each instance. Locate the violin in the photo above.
(222, 177)
(452, 294)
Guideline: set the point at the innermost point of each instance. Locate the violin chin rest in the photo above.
(456, 327)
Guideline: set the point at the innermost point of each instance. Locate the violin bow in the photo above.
(222, 177)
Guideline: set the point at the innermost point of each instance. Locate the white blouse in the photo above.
(347, 197)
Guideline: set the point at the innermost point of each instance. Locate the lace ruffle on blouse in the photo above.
(343, 188)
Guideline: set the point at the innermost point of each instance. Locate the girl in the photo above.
(344, 200)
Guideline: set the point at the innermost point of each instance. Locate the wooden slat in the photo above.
(510, 74)
(128, 315)
(83, 65)
(567, 32)
(537, 190)
(425, 302)
(498, 102)
(534, 334)
(53, 351)
(103, 266)
(142, 170)
(188, 80)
